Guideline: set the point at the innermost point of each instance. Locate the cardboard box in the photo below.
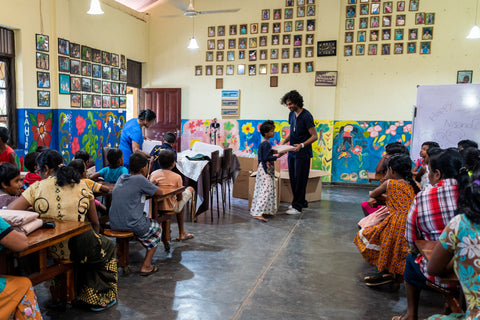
(251, 187)
(241, 184)
(314, 186)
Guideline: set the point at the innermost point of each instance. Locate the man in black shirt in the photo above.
(302, 134)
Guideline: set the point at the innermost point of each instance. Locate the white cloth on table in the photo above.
(190, 169)
(206, 148)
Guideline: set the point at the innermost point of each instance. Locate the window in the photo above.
(7, 84)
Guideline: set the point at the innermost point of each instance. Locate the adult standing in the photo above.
(302, 134)
(131, 138)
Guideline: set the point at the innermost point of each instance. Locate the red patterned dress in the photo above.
(384, 244)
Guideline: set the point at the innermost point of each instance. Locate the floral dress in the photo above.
(265, 196)
(462, 237)
(384, 244)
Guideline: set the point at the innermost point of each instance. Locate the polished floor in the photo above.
(298, 267)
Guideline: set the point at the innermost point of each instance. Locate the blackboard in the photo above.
(446, 114)
(326, 48)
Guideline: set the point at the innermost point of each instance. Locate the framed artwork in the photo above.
(220, 31)
(363, 9)
(310, 38)
(264, 28)
(400, 20)
(122, 103)
(401, 6)
(273, 68)
(374, 22)
(361, 36)
(63, 47)
(123, 75)
(398, 48)
(326, 48)
(75, 84)
(288, 13)
(386, 21)
(297, 40)
(289, 3)
(464, 76)
(347, 51)
(123, 88)
(123, 62)
(75, 66)
(219, 55)
(115, 88)
(427, 33)
(285, 68)
(350, 24)
(243, 29)
(310, 11)
(313, 1)
(374, 35)
(232, 43)
(263, 41)
(241, 69)
(241, 54)
(420, 18)
(43, 61)
(252, 55)
(96, 71)
(97, 101)
(425, 47)
(286, 39)
(242, 43)
(310, 25)
(285, 53)
(375, 8)
(252, 69)
(43, 98)
(277, 14)
(297, 52)
(229, 71)
(274, 54)
(412, 47)
(211, 31)
(106, 87)
(87, 84)
(262, 69)
(351, 11)
(276, 27)
(363, 23)
(412, 34)
(43, 79)
(75, 50)
(309, 66)
(348, 37)
(230, 55)
(372, 49)
(360, 50)
(386, 49)
(263, 54)
(398, 34)
(106, 58)
(75, 100)
(300, 2)
(115, 60)
(106, 73)
(352, 1)
(288, 26)
(209, 56)
(296, 67)
(299, 25)
(87, 101)
(386, 34)
(266, 14)
(233, 29)
(220, 44)
(326, 78)
(96, 86)
(413, 5)
(309, 52)
(115, 102)
(96, 56)
(106, 102)
(86, 69)
(387, 7)
(41, 42)
(64, 83)
(208, 70)
(63, 64)
(300, 12)
(430, 18)
(252, 43)
(275, 40)
(211, 44)
(86, 53)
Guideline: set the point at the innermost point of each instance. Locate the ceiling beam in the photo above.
(143, 16)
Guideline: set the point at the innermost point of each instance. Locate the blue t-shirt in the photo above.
(155, 152)
(299, 132)
(4, 230)
(130, 132)
(112, 175)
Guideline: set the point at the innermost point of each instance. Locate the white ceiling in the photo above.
(140, 5)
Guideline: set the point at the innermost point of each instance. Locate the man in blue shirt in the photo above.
(302, 134)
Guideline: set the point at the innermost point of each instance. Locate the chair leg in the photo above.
(218, 204)
(211, 204)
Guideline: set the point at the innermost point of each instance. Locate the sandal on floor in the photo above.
(146, 274)
(186, 237)
(379, 277)
(101, 308)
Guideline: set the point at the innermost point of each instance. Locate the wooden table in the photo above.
(39, 241)
(373, 176)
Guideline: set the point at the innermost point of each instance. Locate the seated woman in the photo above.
(458, 242)
(63, 195)
(17, 298)
(383, 244)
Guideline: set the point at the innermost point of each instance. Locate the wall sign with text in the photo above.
(231, 103)
(326, 48)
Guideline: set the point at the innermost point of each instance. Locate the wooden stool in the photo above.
(121, 245)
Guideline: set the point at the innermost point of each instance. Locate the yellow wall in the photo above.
(114, 32)
(369, 88)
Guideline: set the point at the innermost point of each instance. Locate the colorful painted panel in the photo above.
(201, 130)
(359, 145)
(39, 129)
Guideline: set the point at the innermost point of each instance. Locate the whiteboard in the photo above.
(446, 114)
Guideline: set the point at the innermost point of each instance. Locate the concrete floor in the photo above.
(293, 267)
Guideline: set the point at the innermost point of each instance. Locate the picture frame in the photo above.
(96, 56)
(123, 62)
(285, 68)
(123, 88)
(220, 31)
(420, 18)
(400, 21)
(400, 6)
(300, 12)
(211, 31)
(43, 61)
(297, 67)
(285, 53)
(273, 68)
(86, 69)
(106, 87)
(374, 22)
(75, 84)
(286, 40)
(297, 52)
(289, 3)
(243, 29)
(288, 26)
(363, 23)
(123, 75)
(75, 50)
(232, 43)
(326, 78)
(299, 25)
(425, 47)
(309, 66)
(115, 74)
(64, 83)
(288, 13)
(253, 28)
(63, 64)
(413, 34)
(220, 44)
(351, 11)
(219, 56)
(122, 103)
(97, 101)
(300, 2)
(115, 60)
(75, 100)
(232, 30)
(273, 81)
(429, 18)
(96, 86)
(309, 52)
(87, 100)
(106, 58)
(43, 80)
(75, 66)
(326, 48)
(350, 24)
(276, 27)
(313, 1)
(398, 48)
(348, 51)
(262, 41)
(230, 55)
(241, 54)
(411, 47)
(375, 8)
(209, 56)
(106, 102)
(360, 50)
(372, 49)
(311, 11)
(264, 27)
(464, 76)
(106, 73)
(275, 40)
(387, 7)
(263, 55)
(42, 42)
(242, 43)
(399, 34)
(386, 34)
(96, 71)
(87, 84)
(311, 25)
(385, 49)
(273, 54)
(374, 35)
(364, 9)
(252, 43)
(230, 69)
(266, 14)
(361, 36)
(277, 14)
(208, 70)
(43, 98)
(310, 38)
(115, 102)
(63, 47)
(86, 53)
(427, 33)
(252, 69)
(297, 40)
(115, 88)
(241, 69)
(386, 21)
(252, 55)
(262, 69)
(413, 6)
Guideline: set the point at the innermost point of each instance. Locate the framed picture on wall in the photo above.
(115, 60)
(106, 73)
(87, 101)
(115, 102)
(75, 66)
(464, 76)
(233, 29)
(63, 64)
(309, 66)
(123, 75)
(96, 56)
(63, 47)
(43, 79)
(123, 62)
(75, 84)
(75, 100)
(43, 61)
(106, 58)
(75, 50)
(96, 71)
(86, 85)
(86, 53)
(425, 47)
(122, 102)
(43, 98)
(64, 83)
(86, 69)
(326, 78)
(96, 86)
(241, 69)
(107, 102)
(97, 101)
(106, 87)
(115, 88)
(41, 42)
(115, 74)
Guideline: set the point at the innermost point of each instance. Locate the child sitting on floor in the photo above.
(115, 168)
(128, 202)
(168, 181)
(264, 201)
(10, 183)
(31, 165)
(6, 153)
(168, 141)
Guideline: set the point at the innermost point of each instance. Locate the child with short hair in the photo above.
(464, 144)
(264, 201)
(115, 168)
(423, 153)
(168, 141)
(128, 202)
(6, 153)
(10, 183)
(31, 165)
(168, 181)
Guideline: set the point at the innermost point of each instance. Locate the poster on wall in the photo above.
(231, 103)
(326, 48)
(326, 78)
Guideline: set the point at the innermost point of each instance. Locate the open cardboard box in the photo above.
(314, 186)
(251, 187)
(240, 186)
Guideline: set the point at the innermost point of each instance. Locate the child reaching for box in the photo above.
(264, 201)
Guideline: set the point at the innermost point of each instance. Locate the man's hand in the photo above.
(297, 147)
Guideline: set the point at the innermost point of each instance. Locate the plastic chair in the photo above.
(104, 156)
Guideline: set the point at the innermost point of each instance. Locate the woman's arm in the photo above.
(440, 262)
(19, 204)
(381, 165)
(93, 216)
(381, 189)
(136, 148)
(15, 241)
(13, 159)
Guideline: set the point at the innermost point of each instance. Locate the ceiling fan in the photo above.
(191, 12)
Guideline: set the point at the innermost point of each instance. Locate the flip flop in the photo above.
(186, 237)
(146, 274)
(101, 308)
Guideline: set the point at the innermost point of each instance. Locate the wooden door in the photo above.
(167, 104)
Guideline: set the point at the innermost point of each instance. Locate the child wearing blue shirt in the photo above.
(115, 168)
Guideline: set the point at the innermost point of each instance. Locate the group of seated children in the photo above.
(431, 214)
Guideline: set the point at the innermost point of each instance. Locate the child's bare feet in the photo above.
(260, 218)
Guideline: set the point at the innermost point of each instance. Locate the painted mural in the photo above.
(201, 130)
(359, 145)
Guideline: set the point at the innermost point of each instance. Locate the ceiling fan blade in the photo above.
(172, 16)
(218, 11)
(179, 4)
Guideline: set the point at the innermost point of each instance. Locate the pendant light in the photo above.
(193, 43)
(475, 31)
(95, 7)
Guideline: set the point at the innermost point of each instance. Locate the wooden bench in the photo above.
(121, 246)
